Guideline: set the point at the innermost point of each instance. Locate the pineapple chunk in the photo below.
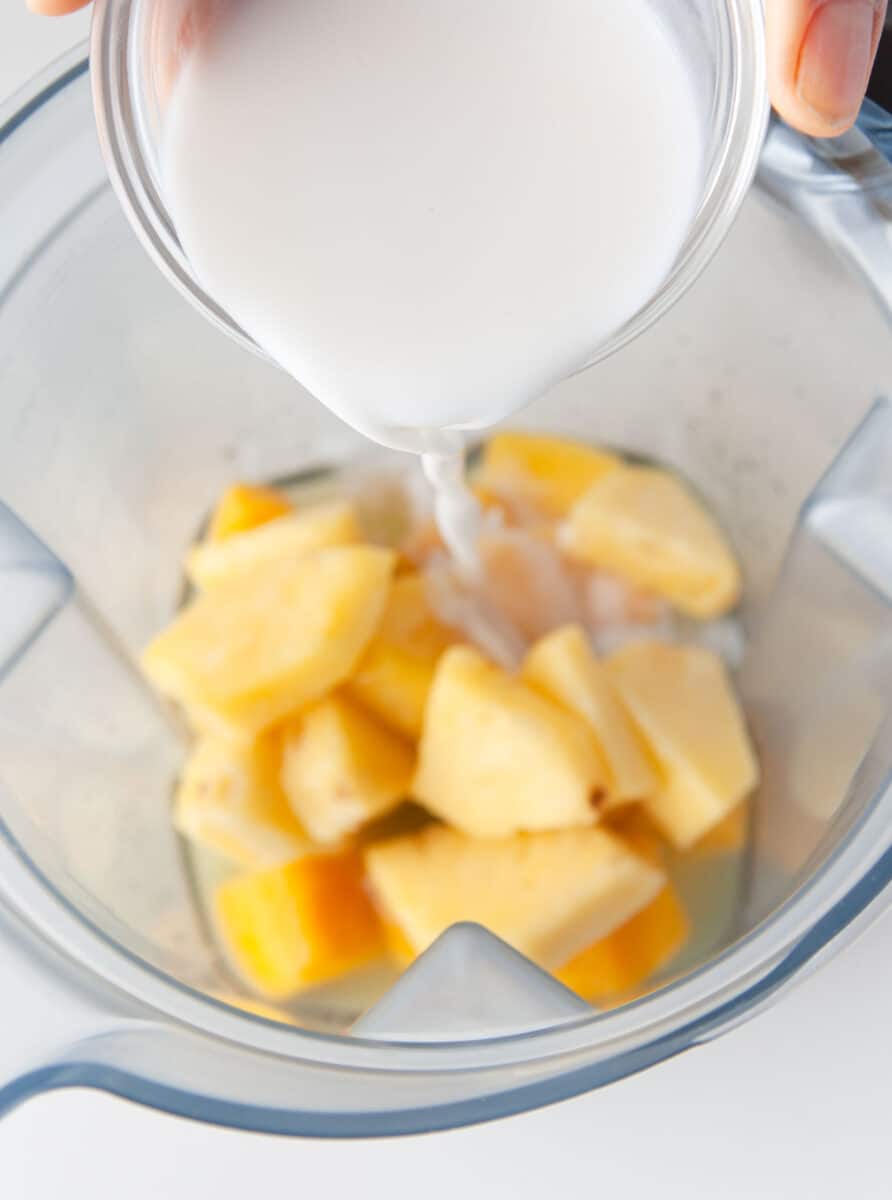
(244, 506)
(342, 768)
(645, 525)
(682, 701)
(563, 667)
(548, 472)
(550, 895)
(262, 646)
(639, 833)
(497, 758)
(231, 800)
(395, 674)
(619, 964)
(302, 924)
(214, 562)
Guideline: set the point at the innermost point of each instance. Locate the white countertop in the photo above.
(793, 1105)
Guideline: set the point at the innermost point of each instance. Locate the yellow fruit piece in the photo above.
(548, 472)
(645, 525)
(214, 562)
(245, 506)
(264, 645)
(728, 837)
(619, 964)
(549, 895)
(563, 667)
(682, 702)
(231, 800)
(398, 947)
(639, 833)
(341, 768)
(497, 758)
(302, 924)
(395, 674)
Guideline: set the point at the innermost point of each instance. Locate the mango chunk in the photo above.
(619, 964)
(244, 506)
(728, 837)
(399, 948)
(341, 768)
(550, 895)
(497, 758)
(643, 524)
(302, 924)
(261, 646)
(395, 674)
(547, 472)
(214, 562)
(231, 800)
(563, 667)
(682, 701)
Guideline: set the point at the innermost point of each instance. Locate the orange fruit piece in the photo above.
(307, 923)
(245, 506)
(621, 962)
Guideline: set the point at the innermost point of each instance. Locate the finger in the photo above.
(820, 53)
(55, 8)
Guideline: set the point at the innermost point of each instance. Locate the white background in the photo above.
(794, 1105)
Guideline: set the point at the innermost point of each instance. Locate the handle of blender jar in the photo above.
(842, 188)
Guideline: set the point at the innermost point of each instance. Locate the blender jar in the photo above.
(124, 413)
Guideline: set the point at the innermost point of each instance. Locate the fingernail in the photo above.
(836, 58)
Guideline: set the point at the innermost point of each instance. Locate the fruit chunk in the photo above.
(549, 895)
(619, 964)
(231, 800)
(245, 506)
(342, 768)
(214, 562)
(305, 923)
(644, 524)
(399, 949)
(728, 837)
(496, 757)
(682, 701)
(563, 667)
(550, 473)
(261, 646)
(394, 676)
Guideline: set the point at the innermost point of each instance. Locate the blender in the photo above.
(117, 435)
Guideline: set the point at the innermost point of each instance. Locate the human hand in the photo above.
(820, 53)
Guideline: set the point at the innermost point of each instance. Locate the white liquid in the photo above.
(429, 211)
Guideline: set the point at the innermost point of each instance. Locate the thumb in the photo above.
(820, 54)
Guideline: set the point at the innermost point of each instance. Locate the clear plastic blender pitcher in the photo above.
(124, 413)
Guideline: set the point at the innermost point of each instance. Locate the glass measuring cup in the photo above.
(138, 45)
